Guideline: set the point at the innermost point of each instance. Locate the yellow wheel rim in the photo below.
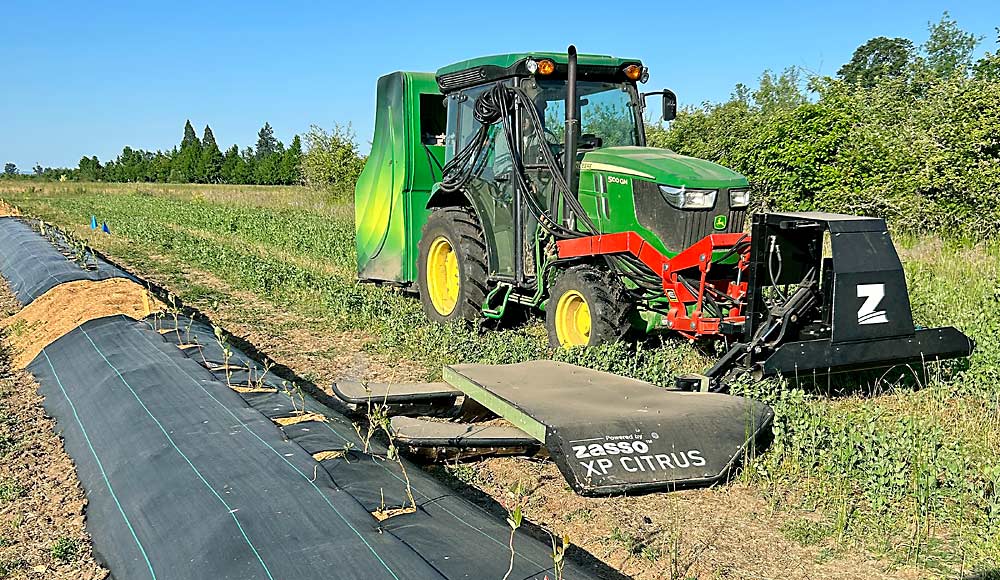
(442, 276)
(573, 320)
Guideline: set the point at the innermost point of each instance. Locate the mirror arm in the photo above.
(665, 93)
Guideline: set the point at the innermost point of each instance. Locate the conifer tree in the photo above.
(184, 168)
(160, 170)
(267, 144)
(267, 170)
(245, 169)
(190, 137)
(210, 161)
(230, 165)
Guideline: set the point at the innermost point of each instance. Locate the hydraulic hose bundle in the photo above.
(497, 104)
(488, 109)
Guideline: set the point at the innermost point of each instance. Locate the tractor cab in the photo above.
(670, 199)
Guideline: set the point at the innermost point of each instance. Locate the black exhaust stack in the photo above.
(572, 124)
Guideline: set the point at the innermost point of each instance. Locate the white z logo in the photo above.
(873, 294)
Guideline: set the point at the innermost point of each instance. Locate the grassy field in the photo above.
(904, 472)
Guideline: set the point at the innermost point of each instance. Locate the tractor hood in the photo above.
(662, 166)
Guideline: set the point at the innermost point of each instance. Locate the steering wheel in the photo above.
(590, 141)
(532, 142)
(554, 145)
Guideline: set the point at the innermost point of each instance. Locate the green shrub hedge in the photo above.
(919, 146)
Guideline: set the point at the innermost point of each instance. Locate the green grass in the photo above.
(11, 490)
(7, 445)
(583, 515)
(65, 549)
(909, 467)
(806, 532)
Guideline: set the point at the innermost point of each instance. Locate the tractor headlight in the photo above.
(739, 198)
(683, 198)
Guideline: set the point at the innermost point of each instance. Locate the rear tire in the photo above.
(587, 306)
(451, 264)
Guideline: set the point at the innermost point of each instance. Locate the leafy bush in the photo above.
(918, 146)
(331, 160)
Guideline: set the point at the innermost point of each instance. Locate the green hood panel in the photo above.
(662, 166)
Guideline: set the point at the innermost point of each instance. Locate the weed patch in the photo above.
(10, 491)
(8, 567)
(806, 532)
(65, 549)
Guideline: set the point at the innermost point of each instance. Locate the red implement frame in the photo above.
(686, 307)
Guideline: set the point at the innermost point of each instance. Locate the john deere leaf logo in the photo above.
(720, 222)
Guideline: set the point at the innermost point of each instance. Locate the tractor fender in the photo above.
(440, 198)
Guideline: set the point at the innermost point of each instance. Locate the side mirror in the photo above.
(669, 105)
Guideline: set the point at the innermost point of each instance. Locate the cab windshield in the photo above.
(607, 111)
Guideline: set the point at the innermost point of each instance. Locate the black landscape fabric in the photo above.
(186, 480)
(33, 264)
(456, 536)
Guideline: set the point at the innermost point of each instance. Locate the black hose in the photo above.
(733, 250)
(770, 269)
(497, 105)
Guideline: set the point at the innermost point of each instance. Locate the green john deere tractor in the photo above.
(526, 178)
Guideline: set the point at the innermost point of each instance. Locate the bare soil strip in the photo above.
(41, 503)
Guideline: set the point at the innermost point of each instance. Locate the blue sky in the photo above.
(88, 78)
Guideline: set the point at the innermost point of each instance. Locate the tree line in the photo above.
(904, 131)
(197, 160)
(330, 160)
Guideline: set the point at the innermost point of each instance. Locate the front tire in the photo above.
(451, 265)
(587, 306)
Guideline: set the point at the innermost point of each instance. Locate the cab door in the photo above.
(492, 190)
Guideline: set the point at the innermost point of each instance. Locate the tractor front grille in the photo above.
(678, 229)
(701, 223)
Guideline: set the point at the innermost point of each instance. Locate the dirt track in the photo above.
(41, 504)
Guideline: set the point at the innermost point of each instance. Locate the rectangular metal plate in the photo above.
(611, 434)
